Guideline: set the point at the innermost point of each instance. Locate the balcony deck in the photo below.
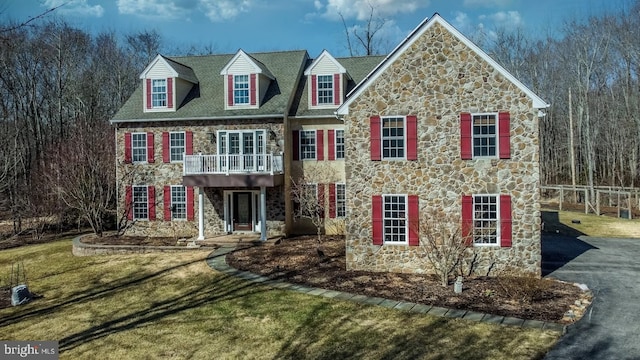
(228, 170)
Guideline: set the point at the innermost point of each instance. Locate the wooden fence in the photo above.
(625, 201)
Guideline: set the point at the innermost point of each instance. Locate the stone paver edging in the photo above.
(217, 261)
(83, 249)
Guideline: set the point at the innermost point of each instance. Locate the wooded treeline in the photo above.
(60, 85)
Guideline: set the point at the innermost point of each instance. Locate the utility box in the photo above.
(20, 295)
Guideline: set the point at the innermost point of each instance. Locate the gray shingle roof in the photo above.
(206, 99)
(357, 68)
(183, 71)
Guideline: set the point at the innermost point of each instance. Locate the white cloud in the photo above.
(215, 10)
(361, 9)
(506, 19)
(75, 7)
(484, 26)
(487, 3)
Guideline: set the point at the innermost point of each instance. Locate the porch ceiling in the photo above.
(233, 180)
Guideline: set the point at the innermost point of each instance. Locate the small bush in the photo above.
(526, 289)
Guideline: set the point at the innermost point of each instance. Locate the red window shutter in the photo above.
(465, 136)
(148, 90)
(170, 93)
(252, 89)
(320, 145)
(332, 200)
(414, 220)
(151, 194)
(314, 91)
(128, 202)
(127, 147)
(376, 215)
(166, 196)
(332, 144)
(412, 137)
(337, 96)
(230, 90)
(467, 219)
(504, 129)
(188, 142)
(165, 147)
(190, 212)
(296, 144)
(375, 137)
(150, 148)
(505, 221)
(321, 205)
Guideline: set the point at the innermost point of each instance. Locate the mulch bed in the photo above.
(297, 261)
(133, 240)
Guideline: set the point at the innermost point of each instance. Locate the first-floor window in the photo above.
(395, 218)
(307, 144)
(341, 200)
(140, 203)
(485, 219)
(178, 203)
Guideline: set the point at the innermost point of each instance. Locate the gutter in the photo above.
(233, 117)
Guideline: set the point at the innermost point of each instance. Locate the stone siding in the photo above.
(436, 79)
(160, 174)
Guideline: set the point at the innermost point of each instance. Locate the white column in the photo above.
(263, 213)
(200, 213)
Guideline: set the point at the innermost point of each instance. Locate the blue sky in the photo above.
(313, 25)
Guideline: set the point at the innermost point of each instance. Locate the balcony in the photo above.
(230, 170)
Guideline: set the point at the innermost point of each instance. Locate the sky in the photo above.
(313, 25)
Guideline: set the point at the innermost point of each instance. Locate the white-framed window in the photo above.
(339, 144)
(341, 200)
(485, 135)
(307, 144)
(139, 147)
(486, 229)
(176, 146)
(159, 93)
(325, 89)
(178, 202)
(393, 137)
(140, 203)
(395, 219)
(241, 89)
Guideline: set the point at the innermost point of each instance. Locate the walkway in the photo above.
(217, 261)
(610, 268)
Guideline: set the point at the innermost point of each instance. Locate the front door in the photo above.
(242, 214)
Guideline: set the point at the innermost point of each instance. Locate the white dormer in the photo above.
(165, 84)
(326, 79)
(246, 82)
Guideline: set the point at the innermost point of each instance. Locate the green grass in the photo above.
(174, 306)
(590, 224)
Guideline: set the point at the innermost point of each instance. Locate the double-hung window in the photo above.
(159, 93)
(341, 200)
(241, 89)
(339, 144)
(393, 138)
(140, 203)
(178, 202)
(307, 144)
(325, 89)
(485, 135)
(395, 219)
(485, 220)
(139, 147)
(177, 145)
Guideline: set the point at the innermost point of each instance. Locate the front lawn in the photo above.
(170, 305)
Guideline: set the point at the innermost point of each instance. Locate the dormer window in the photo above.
(325, 90)
(159, 93)
(241, 89)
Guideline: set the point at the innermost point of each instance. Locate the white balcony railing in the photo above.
(232, 164)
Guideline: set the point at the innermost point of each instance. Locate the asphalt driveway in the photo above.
(611, 269)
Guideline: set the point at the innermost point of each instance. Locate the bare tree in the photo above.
(366, 37)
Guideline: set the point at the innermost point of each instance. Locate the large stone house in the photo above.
(209, 145)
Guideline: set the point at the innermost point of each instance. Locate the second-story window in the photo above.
(339, 144)
(159, 93)
(393, 142)
(307, 144)
(485, 135)
(176, 145)
(241, 89)
(325, 89)
(139, 147)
